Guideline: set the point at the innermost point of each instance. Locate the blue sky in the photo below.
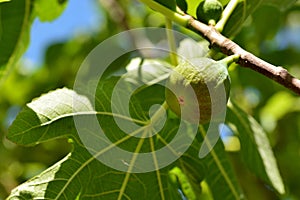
(79, 17)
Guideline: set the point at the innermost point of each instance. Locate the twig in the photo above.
(248, 60)
(116, 12)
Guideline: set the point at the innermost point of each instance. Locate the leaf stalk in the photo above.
(226, 14)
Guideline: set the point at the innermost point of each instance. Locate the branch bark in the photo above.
(248, 60)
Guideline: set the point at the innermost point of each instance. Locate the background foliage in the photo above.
(271, 32)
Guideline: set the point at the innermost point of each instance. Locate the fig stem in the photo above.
(226, 14)
(212, 22)
(171, 41)
(230, 59)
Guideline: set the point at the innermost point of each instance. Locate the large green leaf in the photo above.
(48, 10)
(256, 150)
(80, 175)
(14, 20)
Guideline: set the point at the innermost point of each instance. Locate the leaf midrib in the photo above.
(219, 165)
(78, 114)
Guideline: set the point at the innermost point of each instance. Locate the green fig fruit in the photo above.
(171, 4)
(182, 5)
(209, 11)
(195, 86)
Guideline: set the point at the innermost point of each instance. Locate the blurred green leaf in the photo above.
(15, 22)
(260, 21)
(255, 147)
(224, 2)
(48, 10)
(1, 1)
(239, 16)
(276, 107)
(192, 7)
(171, 4)
(281, 4)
